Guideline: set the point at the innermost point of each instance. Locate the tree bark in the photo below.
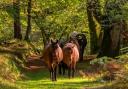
(93, 13)
(45, 36)
(17, 25)
(111, 41)
(115, 38)
(28, 31)
(105, 45)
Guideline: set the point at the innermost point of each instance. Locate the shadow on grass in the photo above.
(44, 73)
(38, 75)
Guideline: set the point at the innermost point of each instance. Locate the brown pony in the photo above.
(71, 56)
(52, 56)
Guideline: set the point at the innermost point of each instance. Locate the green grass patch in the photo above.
(40, 80)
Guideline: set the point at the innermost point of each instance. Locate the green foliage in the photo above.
(101, 61)
(125, 11)
(5, 26)
(116, 9)
(55, 16)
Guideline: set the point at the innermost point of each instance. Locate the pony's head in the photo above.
(54, 44)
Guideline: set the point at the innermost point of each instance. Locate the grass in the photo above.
(40, 80)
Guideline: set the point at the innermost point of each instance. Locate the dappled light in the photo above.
(63, 44)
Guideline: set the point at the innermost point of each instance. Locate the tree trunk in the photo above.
(111, 40)
(45, 36)
(105, 45)
(93, 13)
(93, 35)
(115, 39)
(28, 31)
(112, 27)
(17, 26)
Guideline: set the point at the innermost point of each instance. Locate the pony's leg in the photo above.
(82, 52)
(73, 69)
(55, 73)
(63, 70)
(73, 72)
(52, 74)
(69, 72)
(60, 65)
(64, 66)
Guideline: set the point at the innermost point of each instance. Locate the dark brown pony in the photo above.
(71, 56)
(52, 56)
(82, 40)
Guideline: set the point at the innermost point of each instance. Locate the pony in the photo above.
(52, 56)
(82, 41)
(70, 56)
(80, 38)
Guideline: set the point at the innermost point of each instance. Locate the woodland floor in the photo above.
(36, 75)
(38, 78)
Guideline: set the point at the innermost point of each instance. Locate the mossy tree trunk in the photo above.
(17, 25)
(28, 31)
(94, 14)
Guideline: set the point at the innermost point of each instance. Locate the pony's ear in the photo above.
(51, 40)
(57, 41)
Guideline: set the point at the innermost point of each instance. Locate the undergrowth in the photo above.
(13, 54)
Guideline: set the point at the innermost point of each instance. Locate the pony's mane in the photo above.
(74, 41)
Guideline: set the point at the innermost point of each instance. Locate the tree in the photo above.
(94, 14)
(28, 31)
(58, 20)
(112, 25)
(17, 25)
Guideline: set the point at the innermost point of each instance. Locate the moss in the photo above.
(8, 68)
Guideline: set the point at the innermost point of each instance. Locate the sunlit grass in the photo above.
(60, 84)
(40, 80)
